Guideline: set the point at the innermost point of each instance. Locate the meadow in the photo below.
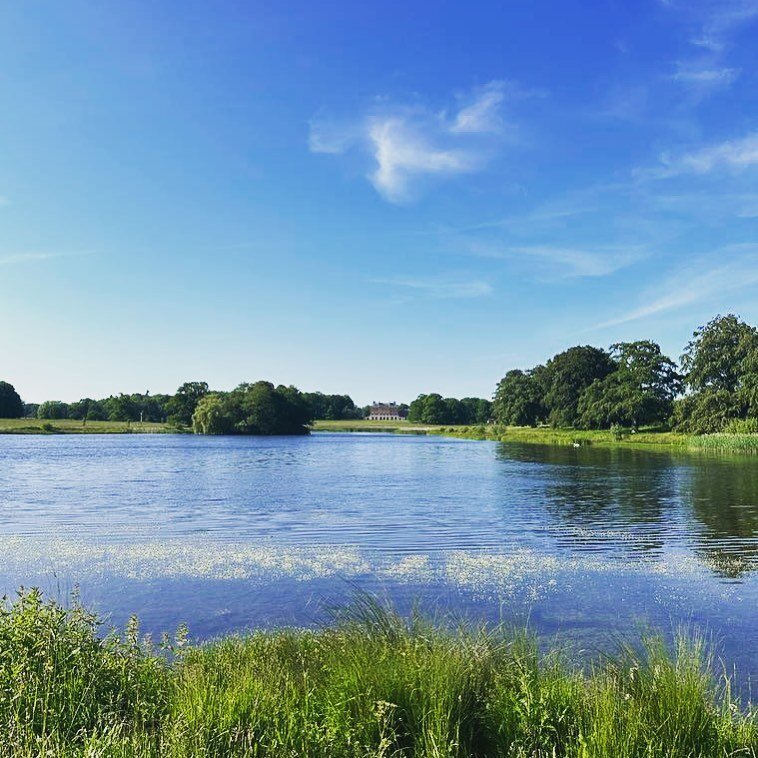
(73, 426)
(370, 684)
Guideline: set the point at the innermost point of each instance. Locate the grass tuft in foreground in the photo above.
(374, 684)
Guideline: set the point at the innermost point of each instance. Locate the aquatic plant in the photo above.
(726, 443)
(371, 684)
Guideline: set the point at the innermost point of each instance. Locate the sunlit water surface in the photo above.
(232, 533)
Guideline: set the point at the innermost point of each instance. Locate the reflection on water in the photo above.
(231, 533)
(641, 503)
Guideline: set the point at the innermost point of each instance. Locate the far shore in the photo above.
(543, 435)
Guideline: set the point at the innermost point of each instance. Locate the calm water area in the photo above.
(231, 533)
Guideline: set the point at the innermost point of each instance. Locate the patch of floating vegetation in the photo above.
(523, 573)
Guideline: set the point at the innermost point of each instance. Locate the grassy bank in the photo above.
(364, 425)
(725, 442)
(373, 684)
(70, 426)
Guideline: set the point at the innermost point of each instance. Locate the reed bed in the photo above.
(372, 684)
(725, 442)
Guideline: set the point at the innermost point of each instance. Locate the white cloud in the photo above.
(444, 289)
(699, 282)
(737, 154)
(402, 153)
(409, 144)
(702, 77)
(483, 113)
(562, 261)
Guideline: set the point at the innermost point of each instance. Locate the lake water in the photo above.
(234, 533)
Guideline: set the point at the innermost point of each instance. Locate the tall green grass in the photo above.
(373, 684)
(726, 442)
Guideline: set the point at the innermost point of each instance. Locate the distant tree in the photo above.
(52, 409)
(429, 409)
(30, 410)
(477, 410)
(518, 399)
(211, 416)
(455, 411)
(181, 407)
(332, 407)
(258, 408)
(720, 375)
(433, 409)
(87, 408)
(640, 391)
(121, 408)
(565, 378)
(11, 405)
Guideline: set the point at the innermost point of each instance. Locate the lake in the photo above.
(230, 533)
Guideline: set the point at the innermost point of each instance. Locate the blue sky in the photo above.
(374, 198)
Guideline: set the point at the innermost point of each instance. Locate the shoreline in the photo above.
(742, 444)
(645, 439)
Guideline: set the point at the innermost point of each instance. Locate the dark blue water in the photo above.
(233, 533)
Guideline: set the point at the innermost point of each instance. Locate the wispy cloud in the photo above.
(481, 111)
(720, 20)
(714, 24)
(407, 144)
(32, 257)
(560, 261)
(736, 155)
(699, 282)
(440, 288)
(403, 152)
(703, 77)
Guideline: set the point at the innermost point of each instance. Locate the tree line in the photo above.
(713, 388)
(434, 409)
(634, 384)
(228, 411)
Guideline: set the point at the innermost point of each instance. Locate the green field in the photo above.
(69, 426)
(364, 425)
(372, 684)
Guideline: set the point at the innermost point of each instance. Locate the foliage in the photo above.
(722, 442)
(60, 681)
(11, 405)
(518, 399)
(258, 408)
(435, 410)
(373, 684)
(332, 407)
(30, 410)
(87, 409)
(181, 407)
(52, 409)
(721, 365)
(567, 375)
(640, 391)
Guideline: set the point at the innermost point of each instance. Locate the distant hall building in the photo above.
(387, 412)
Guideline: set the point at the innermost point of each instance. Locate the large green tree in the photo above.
(720, 375)
(52, 409)
(11, 405)
(257, 408)
(566, 376)
(640, 391)
(181, 407)
(518, 399)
